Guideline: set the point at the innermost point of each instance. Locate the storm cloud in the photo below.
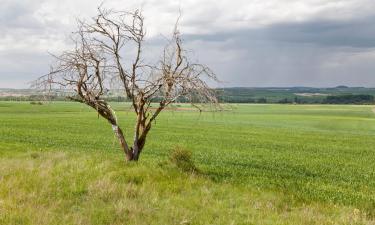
(247, 43)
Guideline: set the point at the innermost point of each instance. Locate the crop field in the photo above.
(258, 164)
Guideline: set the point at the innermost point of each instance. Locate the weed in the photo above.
(183, 159)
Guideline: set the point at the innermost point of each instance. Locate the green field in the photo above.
(259, 164)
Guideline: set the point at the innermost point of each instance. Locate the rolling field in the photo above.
(259, 164)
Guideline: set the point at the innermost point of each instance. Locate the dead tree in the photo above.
(97, 63)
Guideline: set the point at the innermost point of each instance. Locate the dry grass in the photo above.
(66, 188)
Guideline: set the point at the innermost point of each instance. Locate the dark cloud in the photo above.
(348, 33)
(315, 53)
(358, 34)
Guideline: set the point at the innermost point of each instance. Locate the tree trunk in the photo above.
(129, 156)
(136, 152)
(139, 143)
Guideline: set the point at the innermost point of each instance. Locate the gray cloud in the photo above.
(310, 53)
(350, 33)
(247, 43)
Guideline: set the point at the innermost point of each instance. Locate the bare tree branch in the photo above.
(96, 63)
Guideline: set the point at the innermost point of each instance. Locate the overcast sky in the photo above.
(253, 43)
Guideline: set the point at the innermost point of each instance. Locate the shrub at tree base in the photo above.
(36, 103)
(183, 159)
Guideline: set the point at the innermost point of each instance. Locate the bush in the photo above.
(36, 103)
(183, 159)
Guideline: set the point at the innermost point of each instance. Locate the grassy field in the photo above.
(259, 164)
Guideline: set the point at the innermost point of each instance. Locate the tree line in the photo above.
(331, 99)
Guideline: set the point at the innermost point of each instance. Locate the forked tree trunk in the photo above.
(141, 130)
(136, 152)
(140, 141)
(129, 156)
(137, 148)
(132, 153)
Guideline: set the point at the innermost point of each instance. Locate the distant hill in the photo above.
(300, 95)
(291, 94)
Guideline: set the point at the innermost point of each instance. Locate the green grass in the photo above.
(259, 164)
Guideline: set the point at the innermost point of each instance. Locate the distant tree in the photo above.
(284, 101)
(97, 63)
(262, 100)
(297, 100)
(349, 99)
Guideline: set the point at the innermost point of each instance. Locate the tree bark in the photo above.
(136, 152)
(129, 156)
(140, 142)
